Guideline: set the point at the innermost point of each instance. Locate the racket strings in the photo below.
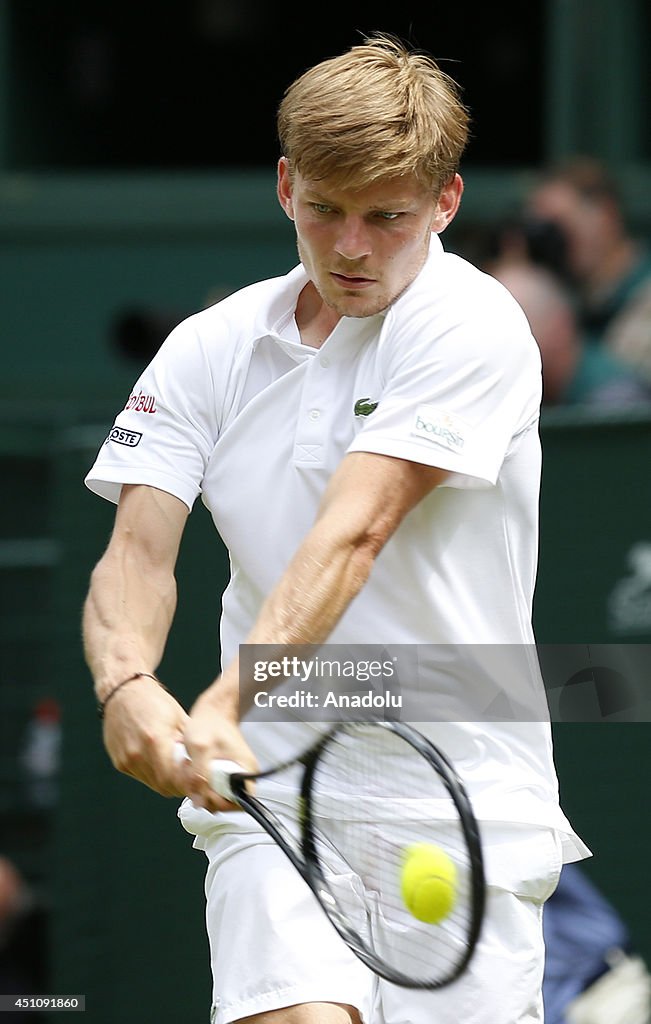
(373, 798)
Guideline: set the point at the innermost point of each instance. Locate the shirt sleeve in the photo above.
(456, 395)
(168, 428)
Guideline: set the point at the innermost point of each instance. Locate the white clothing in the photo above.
(235, 408)
(260, 912)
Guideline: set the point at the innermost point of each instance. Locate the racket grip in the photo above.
(180, 753)
(220, 777)
(220, 771)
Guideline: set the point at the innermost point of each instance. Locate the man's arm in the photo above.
(127, 617)
(366, 500)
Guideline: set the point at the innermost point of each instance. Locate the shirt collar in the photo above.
(279, 312)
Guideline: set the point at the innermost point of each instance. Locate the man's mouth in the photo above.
(352, 281)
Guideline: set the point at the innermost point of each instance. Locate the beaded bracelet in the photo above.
(101, 707)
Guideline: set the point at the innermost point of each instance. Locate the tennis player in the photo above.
(364, 433)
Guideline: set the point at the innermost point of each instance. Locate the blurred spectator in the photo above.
(21, 942)
(41, 753)
(609, 267)
(591, 974)
(523, 238)
(12, 898)
(574, 371)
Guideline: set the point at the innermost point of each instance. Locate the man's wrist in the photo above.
(224, 695)
(102, 703)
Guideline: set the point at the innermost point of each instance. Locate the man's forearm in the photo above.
(132, 596)
(320, 582)
(327, 572)
(366, 500)
(126, 622)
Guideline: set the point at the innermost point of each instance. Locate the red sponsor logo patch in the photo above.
(141, 402)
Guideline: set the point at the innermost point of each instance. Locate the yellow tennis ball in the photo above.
(428, 882)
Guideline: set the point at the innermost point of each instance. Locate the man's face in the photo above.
(362, 249)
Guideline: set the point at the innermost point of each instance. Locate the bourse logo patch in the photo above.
(441, 427)
(130, 438)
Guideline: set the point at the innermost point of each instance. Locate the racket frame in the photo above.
(304, 856)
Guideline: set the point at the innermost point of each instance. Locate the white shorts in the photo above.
(272, 946)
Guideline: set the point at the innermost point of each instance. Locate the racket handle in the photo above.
(180, 753)
(220, 771)
(220, 777)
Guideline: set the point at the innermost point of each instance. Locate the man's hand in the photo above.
(213, 733)
(142, 723)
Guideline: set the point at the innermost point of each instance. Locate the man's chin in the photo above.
(356, 306)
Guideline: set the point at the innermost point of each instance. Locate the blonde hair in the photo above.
(377, 111)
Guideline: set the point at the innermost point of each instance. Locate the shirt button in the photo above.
(314, 414)
(325, 361)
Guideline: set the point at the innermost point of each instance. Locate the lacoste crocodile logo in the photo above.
(363, 407)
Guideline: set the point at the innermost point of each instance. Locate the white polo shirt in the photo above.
(235, 408)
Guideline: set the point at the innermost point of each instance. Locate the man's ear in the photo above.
(284, 187)
(448, 204)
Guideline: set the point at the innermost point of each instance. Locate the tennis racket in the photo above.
(359, 800)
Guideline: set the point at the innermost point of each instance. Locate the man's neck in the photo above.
(315, 320)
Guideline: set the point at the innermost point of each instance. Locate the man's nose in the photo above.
(353, 240)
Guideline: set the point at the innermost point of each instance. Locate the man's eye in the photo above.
(321, 208)
(387, 215)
